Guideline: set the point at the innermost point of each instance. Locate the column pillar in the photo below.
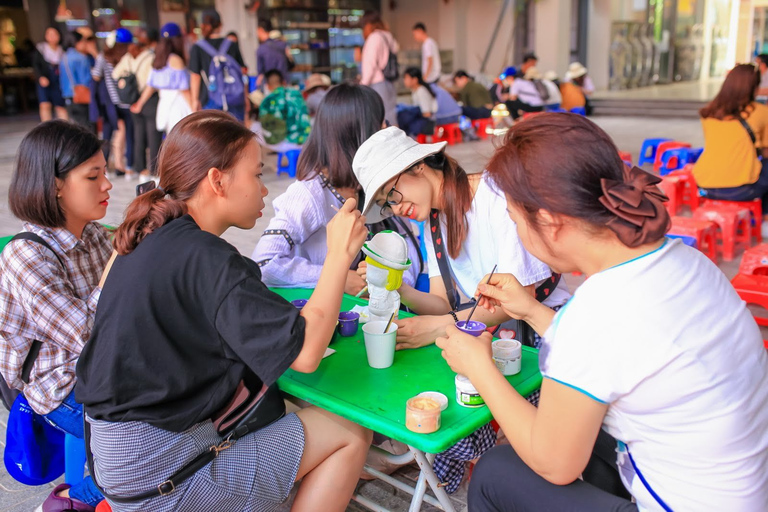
(552, 35)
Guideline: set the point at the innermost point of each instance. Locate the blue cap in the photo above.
(170, 30)
(123, 35)
(510, 71)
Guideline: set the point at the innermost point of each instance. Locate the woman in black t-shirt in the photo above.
(183, 317)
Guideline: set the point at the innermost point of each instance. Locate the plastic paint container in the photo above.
(507, 354)
(422, 415)
(473, 328)
(466, 394)
(437, 397)
(348, 323)
(299, 303)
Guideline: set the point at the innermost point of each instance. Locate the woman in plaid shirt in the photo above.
(59, 189)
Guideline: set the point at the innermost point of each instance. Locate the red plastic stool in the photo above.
(421, 138)
(450, 133)
(734, 223)
(755, 261)
(756, 209)
(691, 191)
(481, 126)
(103, 506)
(753, 290)
(704, 231)
(626, 156)
(673, 187)
(672, 144)
(527, 115)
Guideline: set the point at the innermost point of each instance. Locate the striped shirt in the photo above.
(103, 70)
(40, 300)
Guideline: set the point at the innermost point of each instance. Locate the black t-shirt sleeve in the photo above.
(263, 329)
(195, 59)
(234, 51)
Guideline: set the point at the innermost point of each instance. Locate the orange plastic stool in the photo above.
(103, 506)
(734, 223)
(673, 187)
(704, 231)
(753, 290)
(691, 190)
(673, 144)
(450, 133)
(755, 207)
(481, 126)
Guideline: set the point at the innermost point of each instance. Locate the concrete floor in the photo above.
(628, 133)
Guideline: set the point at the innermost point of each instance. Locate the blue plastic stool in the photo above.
(579, 110)
(651, 144)
(422, 283)
(684, 156)
(687, 240)
(293, 158)
(74, 459)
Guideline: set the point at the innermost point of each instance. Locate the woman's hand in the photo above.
(136, 107)
(346, 232)
(464, 353)
(420, 331)
(354, 283)
(506, 292)
(44, 82)
(362, 270)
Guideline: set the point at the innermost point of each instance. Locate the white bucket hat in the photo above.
(383, 156)
(389, 249)
(576, 69)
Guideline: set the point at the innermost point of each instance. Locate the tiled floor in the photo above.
(627, 132)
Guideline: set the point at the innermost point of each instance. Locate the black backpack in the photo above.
(392, 70)
(128, 85)
(541, 89)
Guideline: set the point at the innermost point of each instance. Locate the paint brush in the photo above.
(386, 329)
(361, 292)
(478, 299)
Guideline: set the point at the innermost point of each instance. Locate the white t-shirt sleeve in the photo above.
(425, 101)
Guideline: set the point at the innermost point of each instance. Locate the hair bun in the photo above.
(637, 204)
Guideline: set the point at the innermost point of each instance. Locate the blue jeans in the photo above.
(238, 112)
(68, 417)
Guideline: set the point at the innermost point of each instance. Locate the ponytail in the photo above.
(416, 73)
(145, 214)
(457, 199)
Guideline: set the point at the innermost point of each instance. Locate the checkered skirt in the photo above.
(256, 474)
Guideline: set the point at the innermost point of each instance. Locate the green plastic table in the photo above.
(345, 385)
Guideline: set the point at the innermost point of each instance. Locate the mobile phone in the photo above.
(143, 188)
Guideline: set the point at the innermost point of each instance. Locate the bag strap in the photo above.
(442, 260)
(207, 47)
(749, 130)
(65, 59)
(34, 349)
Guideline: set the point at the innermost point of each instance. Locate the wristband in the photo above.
(453, 314)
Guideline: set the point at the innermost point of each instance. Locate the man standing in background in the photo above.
(430, 54)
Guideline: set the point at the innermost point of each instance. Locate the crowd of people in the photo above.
(148, 332)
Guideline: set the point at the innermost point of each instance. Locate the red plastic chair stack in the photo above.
(734, 223)
(481, 127)
(704, 231)
(673, 144)
(751, 283)
(673, 187)
(691, 190)
(450, 133)
(103, 506)
(756, 209)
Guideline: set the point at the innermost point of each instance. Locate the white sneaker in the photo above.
(129, 175)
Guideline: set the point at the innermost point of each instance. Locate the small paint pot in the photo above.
(422, 415)
(299, 303)
(473, 328)
(466, 394)
(507, 354)
(437, 397)
(349, 321)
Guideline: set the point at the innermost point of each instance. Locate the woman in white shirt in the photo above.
(419, 117)
(379, 44)
(419, 181)
(656, 348)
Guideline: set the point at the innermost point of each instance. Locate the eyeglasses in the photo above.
(394, 197)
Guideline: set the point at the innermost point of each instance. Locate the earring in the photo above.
(58, 196)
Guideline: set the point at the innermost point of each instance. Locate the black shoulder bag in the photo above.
(8, 394)
(750, 133)
(525, 333)
(253, 406)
